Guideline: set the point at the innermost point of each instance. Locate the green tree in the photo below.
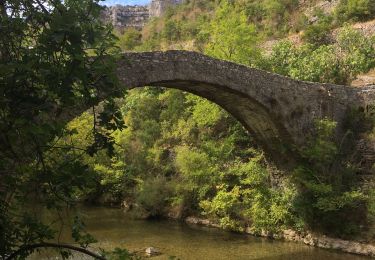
(319, 32)
(130, 39)
(231, 37)
(328, 186)
(55, 57)
(172, 31)
(356, 51)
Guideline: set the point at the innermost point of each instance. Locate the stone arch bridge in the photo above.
(278, 111)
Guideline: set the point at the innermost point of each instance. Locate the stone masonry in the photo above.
(278, 111)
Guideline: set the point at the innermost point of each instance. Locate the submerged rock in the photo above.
(151, 251)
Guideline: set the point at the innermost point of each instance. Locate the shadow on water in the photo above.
(303, 255)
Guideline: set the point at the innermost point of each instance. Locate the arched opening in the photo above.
(178, 156)
(276, 110)
(270, 135)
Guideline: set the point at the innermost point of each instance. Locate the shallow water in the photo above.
(114, 229)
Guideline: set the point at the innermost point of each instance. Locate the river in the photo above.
(113, 228)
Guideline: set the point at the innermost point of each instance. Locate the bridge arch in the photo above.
(278, 111)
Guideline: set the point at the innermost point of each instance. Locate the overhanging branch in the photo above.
(54, 245)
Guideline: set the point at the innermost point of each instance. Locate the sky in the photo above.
(125, 2)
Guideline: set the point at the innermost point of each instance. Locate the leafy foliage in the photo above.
(355, 9)
(231, 37)
(319, 32)
(339, 63)
(192, 164)
(178, 153)
(55, 57)
(130, 39)
(329, 189)
(249, 199)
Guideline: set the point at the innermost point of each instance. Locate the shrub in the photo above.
(338, 63)
(356, 53)
(197, 170)
(172, 30)
(306, 62)
(319, 33)
(153, 195)
(329, 191)
(246, 198)
(357, 10)
(130, 39)
(227, 206)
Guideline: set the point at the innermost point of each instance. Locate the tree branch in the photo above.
(54, 245)
(42, 7)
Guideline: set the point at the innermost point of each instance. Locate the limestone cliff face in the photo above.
(135, 16)
(126, 16)
(158, 7)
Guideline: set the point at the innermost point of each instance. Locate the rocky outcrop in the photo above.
(326, 6)
(136, 16)
(330, 243)
(201, 221)
(307, 238)
(321, 241)
(122, 17)
(158, 7)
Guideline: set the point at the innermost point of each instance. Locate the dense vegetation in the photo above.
(166, 152)
(325, 186)
(52, 59)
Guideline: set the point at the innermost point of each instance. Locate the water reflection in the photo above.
(114, 229)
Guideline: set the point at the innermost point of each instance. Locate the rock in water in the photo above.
(150, 251)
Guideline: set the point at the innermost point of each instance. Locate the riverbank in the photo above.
(113, 228)
(306, 238)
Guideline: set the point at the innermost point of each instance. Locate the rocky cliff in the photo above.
(135, 16)
(122, 17)
(158, 7)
